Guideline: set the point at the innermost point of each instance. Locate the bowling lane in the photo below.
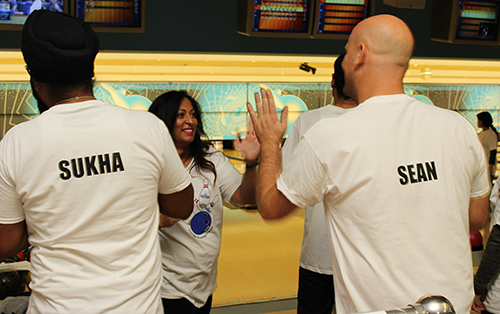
(259, 260)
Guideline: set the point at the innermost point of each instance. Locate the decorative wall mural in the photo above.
(468, 100)
(224, 104)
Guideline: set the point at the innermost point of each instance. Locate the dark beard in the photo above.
(41, 105)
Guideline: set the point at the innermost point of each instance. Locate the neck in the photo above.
(379, 81)
(344, 103)
(185, 155)
(364, 96)
(75, 99)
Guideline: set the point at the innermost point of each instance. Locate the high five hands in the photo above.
(268, 127)
(249, 146)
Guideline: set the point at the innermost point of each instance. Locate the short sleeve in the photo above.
(228, 178)
(304, 179)
(11, 208)
(290, 143)
(492, 141)
(174, 177)
(480, 183)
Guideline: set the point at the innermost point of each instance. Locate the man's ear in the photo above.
(361, 57)
(37, 85)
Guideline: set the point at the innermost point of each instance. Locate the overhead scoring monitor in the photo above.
(466, 21)
(337, 18)
(13, 13)
(112, 15)
(478, 20)
(274, 18)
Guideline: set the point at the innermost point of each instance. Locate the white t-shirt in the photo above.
(492, 301)
(190, 248)
(315, 250)
(396, 176)
(86, 178)
(489, 141)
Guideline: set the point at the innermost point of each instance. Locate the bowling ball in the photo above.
(201, 222)
(476, 239)
(10, 282)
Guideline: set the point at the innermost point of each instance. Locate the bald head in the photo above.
(387, 37)
(378, 52)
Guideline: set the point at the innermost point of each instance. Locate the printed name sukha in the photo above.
(416, 173)
(90, 165)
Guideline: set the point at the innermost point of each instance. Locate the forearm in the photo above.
(248, 188)
(272, 203)
(270, 168)
(14, 239)
(478, 212)
(491, 162)
(489, 266)
(177, 205)
(493, 157)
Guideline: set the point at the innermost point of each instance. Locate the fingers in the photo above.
(284, 118)
(237, 140)
(265, 102)
(268, 106)
(250, 127)
(253, 115)
(477, 307)
(266, 111)
(258, 103)
(271, 107)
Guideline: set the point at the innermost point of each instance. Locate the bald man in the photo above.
(402, 181)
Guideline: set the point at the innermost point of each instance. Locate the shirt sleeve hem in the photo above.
(11, 221)
(178, 188)
(481, 194)
(286, 192)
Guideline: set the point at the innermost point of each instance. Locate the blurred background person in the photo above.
(489, 139)
(316, 294)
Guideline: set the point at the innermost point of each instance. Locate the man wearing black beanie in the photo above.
(59, 49)
(82, 182)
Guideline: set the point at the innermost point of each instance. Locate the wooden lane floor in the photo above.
(259, 261)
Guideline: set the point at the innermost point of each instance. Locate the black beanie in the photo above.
(58, 48)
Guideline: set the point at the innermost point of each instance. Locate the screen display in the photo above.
(280, 16)
(478, 19)
(15, 12)
(109, 13)
(340, 16)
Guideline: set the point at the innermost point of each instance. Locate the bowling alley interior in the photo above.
(208, 49)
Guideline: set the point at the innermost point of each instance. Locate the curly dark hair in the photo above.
(166, 107)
